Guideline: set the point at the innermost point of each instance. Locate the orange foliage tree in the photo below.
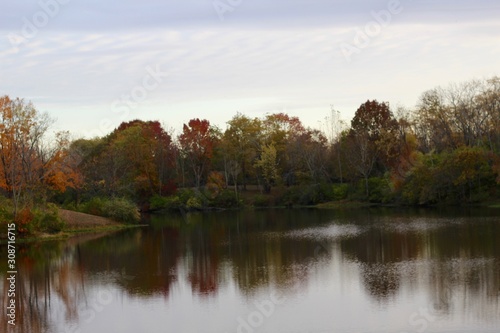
(29, 165)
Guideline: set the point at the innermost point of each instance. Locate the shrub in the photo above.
(5, 210)
(49, 220)
(226, 199)
(340, 191)
(94, 206)
(306, 195)
(192, 199)
(380, 191)
(261, 200)
(24, 221)
(167, 203)
(185, 194)
(194, 203)
(121, 209)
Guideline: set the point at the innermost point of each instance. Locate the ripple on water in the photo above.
(328, 232)
(416, 225)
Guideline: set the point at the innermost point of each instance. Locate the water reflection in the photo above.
(451, 262)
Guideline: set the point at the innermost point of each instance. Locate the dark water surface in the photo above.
(268, 271)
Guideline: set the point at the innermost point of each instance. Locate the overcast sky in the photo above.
(93, 64)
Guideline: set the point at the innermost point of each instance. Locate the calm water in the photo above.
(269, 271)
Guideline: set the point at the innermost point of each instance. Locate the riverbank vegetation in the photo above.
(446, 150)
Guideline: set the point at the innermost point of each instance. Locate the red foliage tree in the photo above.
(197, 143)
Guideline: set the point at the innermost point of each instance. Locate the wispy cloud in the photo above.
(266, 56)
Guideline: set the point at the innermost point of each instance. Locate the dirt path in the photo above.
(76, 220)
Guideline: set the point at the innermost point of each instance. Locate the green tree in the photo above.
(240, 145)
(268, 165)
(279, 129)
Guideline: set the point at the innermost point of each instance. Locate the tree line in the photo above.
(444, 150)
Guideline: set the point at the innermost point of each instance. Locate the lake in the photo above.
(295, 270)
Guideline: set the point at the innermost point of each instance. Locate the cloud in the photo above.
(264, 57)
(94, 15)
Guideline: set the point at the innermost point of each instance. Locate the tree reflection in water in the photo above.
(456, 264)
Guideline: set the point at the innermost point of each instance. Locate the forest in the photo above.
(443, 151)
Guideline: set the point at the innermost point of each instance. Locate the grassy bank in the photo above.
(49, 222)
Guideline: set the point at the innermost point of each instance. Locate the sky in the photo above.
(92, 64)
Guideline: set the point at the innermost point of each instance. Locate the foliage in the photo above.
(464, 175)
(29, 164)
(225, 199)
(340, 191)
(6, 210)
(215, 184)
(165, 203)
(445, 150)
(31, 220)
(194, 203)
(137, 160)
(268, 165)
(306, 195)
(197, 144)
(262, 200)
(380, 191)
(118, 209)
(239, 148)
(24, 221)
(48, 220)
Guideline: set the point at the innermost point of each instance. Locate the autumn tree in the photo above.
(279, 129)
(372, 138)
(197, 143)
(240, 146)
(268, 165)
(29, 163)
(149, 149)
(488, 101)
(307, 155)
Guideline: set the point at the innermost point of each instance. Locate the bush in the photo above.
(194, 203)
(24, 221)
(380, 191)
(307, 195)
(226, 199)
(6, 210)
(165, 203)
(261, 200)
(119, 209)
(192, 199)
(340, 191)
(94, 206)
(48, 220)
(185, 194)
